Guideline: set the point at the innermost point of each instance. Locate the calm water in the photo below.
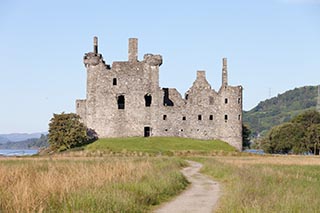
(17, 152)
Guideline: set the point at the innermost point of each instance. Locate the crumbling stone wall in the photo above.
(125, 100)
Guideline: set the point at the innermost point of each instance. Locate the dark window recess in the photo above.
(211, 100)
(226, 100)
(239, 117)
(181, 130)
(148, 100)
(199, 117)
(184, 118)
(114, 81)
(186, 96)
(225, 118)
(166, 130)
(211, 117)
(239, 100)
(166, 99)
(164, 117)
(147, 131)
(121, 102)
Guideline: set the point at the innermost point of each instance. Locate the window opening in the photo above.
(114, 82)
(121, 102)
(184, 118)
(186, 96)
(199, 117)
(225, 118)
(211, 117)
(239, 117)
(166, 99)
(226, 100)
(148, 100)
(164, 117)
(239, 100)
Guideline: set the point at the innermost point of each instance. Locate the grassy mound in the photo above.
(163, 145)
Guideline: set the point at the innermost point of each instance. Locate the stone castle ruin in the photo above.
(125, 100)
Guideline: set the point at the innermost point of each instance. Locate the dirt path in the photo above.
(200, 197)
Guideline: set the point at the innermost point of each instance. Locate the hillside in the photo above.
(156, 145)
(280, 109)
(31, 143)
(16, 137)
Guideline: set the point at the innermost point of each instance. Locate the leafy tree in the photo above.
(66, 131)
(312, 138)
(307, 118)
(301, 134)
(246, 132)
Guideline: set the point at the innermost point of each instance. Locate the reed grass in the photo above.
(88, 184)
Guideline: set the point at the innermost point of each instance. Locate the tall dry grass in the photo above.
(86, 185)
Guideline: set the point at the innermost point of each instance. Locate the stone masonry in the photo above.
(125, 100)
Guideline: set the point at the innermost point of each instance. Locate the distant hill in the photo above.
(15, 137)
(280, 109)
(31, 143)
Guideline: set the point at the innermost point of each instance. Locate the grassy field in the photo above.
(160, 145)
(111, 184)
(266, 184)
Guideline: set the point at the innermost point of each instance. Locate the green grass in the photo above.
(159, 145)
(265, 187)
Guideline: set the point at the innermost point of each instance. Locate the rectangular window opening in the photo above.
(211, 117)
(184, 118)
(199, 117)
(226, 100)
(164, 117)
(114, 82)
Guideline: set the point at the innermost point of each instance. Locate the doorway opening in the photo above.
(147, 131)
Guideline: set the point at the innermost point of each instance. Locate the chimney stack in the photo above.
(95, 45)
(224, 72)
(133, 50)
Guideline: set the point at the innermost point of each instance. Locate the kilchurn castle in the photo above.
(125, 100)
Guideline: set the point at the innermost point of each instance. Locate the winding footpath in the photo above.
(201, 196)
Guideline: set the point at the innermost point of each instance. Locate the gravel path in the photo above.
(201, 196)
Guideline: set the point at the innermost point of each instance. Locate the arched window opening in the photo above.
(121, 102)
(148, 100)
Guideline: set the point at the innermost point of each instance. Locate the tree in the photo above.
(301, 134)
(246, 132)
(312, 138)
(66, 131)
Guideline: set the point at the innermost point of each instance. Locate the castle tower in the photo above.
(224, 72)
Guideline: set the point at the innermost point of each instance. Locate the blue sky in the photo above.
(271, 45)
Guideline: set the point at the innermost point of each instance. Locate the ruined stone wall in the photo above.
(202, 113)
